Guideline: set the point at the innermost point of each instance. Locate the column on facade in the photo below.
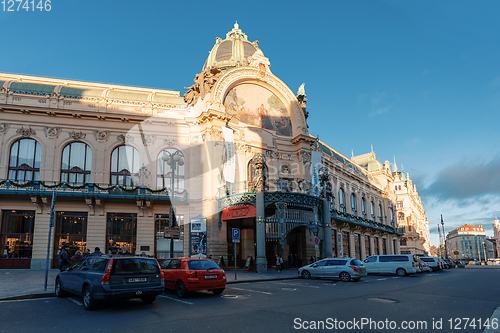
(327, 234)
(96, 230)
(380, 248)
(352, 249)
(363, 254)
(372, 245)
(260, 228)
(145, 229)
(40, 240)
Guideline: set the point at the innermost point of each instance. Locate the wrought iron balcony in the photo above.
(363, 221)
(94, 190)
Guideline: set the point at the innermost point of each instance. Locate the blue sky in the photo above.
(418, 80)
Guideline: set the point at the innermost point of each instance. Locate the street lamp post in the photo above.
(172, 159)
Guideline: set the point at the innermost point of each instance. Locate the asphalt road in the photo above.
(376, 304)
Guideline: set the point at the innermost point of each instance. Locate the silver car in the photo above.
(346, 269)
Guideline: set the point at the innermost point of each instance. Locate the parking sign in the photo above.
(236, 235)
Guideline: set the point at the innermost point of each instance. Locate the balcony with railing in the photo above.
(93, 190)
(363, 221)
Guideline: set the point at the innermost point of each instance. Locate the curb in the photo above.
(51, 294)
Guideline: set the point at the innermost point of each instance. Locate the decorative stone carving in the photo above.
(285, 168)
(304, 156)
(170, 142)
(203, 84)
(259, 61)
(77, 135)
(125, 138)
(101, 135)
(275, 155)
(52, 132)
(26, 132)
(147, 139)
(144, 174)
(4, 127)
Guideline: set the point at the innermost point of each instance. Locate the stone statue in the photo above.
(301, 97)
(203, 84)
(259, 178)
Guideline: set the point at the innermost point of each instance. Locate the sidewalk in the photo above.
(26, 283)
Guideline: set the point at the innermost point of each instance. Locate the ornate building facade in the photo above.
(172, 175)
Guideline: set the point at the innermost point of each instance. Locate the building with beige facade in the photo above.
(172, 174)
(469, 242)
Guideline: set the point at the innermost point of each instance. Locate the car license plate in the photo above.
(136, 280)
(209, 277)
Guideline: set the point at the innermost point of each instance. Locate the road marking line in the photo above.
(27, 299)
(296, 284)
(255, 291)
(175, 299)
(382, 279)
(75, 301)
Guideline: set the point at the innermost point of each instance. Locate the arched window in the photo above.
(353, 204)
(124, 166)
(380, 212)
(372, 210)
(76, 163)
(363, 207)
(25, 158)
(401, 217)
(251, 175)
(341, 200)
(170, 169)
(403, 242)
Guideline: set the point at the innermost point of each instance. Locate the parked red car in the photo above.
(191, 274)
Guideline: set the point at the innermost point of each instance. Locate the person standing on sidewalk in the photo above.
(64, 258)
(281, 263)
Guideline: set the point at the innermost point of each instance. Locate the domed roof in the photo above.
(232, 51)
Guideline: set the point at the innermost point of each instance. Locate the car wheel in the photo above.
(88, 299)
(306, 275)
(59, 289)
(400, 272)
(148, 299)
(218, 291)
(345, 277)
(181, 290)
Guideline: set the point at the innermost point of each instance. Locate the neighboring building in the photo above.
(411, 216)
(154, 171)
(491, 248)
(496, 235)
(469, 241)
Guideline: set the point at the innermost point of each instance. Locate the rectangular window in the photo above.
(121, 230)
(71, 229)
(346, 246)
(169, 241)
(16, 233)
(357, 246)
(368, 248)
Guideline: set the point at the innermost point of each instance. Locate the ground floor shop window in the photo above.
(375, 245)
(346, 246)
(121, 231)
(334, 243)
(169, 236)
(368, 248)
(357, 246)
(70, 229)
(16, 233)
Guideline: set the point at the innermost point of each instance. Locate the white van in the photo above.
(400, 264)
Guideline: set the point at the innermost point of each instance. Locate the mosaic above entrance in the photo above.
(257, 106)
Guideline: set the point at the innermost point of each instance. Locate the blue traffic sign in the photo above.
(236, 235)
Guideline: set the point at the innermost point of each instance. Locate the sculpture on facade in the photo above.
(259, 179)
(203, 84)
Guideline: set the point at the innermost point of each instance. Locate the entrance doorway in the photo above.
(247, 246)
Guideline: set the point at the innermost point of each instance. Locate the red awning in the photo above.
(238, 212)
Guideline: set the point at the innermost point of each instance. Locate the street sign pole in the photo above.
(236, 239)
(52, 207)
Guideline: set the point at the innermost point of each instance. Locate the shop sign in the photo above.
(238, 212)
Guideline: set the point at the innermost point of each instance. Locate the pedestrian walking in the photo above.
(281, 263)
(78, 255)
(125, 250)
(277, 262)
(64, 259)
(97, 250)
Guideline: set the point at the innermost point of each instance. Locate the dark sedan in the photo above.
(105, 277)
